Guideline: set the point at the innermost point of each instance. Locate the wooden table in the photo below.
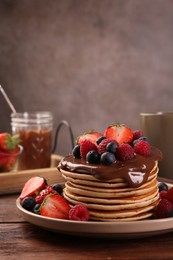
(24, 241)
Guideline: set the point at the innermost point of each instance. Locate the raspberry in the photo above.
(163, 194)
(124, 152)
(79, 212)
(85, 147)
(43, 193)
(143, 148)
(170, 194)
(137, 134)
(102, 148)
(163, 209)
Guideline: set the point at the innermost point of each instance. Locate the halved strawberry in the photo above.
(33, 185)
(55, 206)
(120, 133)
(90, 135)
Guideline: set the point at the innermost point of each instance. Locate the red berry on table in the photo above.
(142, 147)
(120, 133)
(124, 152)
(163, 209)
(85, 147)
(43, 193)
(91, 136)
(79, 213)
(55, 206)
(33, 185)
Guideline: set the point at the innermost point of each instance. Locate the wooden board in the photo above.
(12, 182)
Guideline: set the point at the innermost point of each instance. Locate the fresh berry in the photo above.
(163, 209)
(8, 143)
(120, 133)
(170, 194)
(28, 203)
(162, 186)
(85, 147)
(33, 185)
(36, 209)
(163, 194)
(76, 151)
(102, 146)
(100, 139)
(55, 206)
(58, 188)
(137, 134)
(143, 148)
(93, 157)
(90, 135)
(79, 213)
(43, 193)
(107, 158)
(139, 139)
(111, 147)
(124, 152)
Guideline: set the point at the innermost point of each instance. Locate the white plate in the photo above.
(133, 229)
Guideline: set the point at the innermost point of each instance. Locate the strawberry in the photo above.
(90, 135)
(32, 186)
(43, 193)
(8, 159)
(120, 133)
(55, 206)
(7, 142)
(86, 146)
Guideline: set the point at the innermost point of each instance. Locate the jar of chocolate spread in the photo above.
(35, 131)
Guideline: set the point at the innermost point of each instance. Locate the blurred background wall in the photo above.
(92, 63)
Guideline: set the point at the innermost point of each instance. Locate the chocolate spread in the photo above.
(134, 171)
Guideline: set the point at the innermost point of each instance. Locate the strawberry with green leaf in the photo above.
(9, 151)
(120, 133)
(8, 143)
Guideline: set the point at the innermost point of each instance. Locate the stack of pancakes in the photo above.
(112, 200)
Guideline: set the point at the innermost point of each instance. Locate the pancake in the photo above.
(125, 191)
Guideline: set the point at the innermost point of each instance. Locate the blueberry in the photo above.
(107, 158)
(101, 138)
(76, 151)
(93, 157)
(111, 147)
(58, 188)
(162, 186)
(36, 208)
(28, 203)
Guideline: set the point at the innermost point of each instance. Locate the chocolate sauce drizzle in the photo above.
(134, 171)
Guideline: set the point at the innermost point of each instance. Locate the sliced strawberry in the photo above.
(120, 133)
(33, 185)
(55, 206)
(90, 135)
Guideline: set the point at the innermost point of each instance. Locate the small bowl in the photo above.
(8, 160)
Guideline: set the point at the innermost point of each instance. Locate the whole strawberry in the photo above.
(8, 143)
(9, 151)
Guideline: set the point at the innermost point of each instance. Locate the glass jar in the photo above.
(35, 131)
